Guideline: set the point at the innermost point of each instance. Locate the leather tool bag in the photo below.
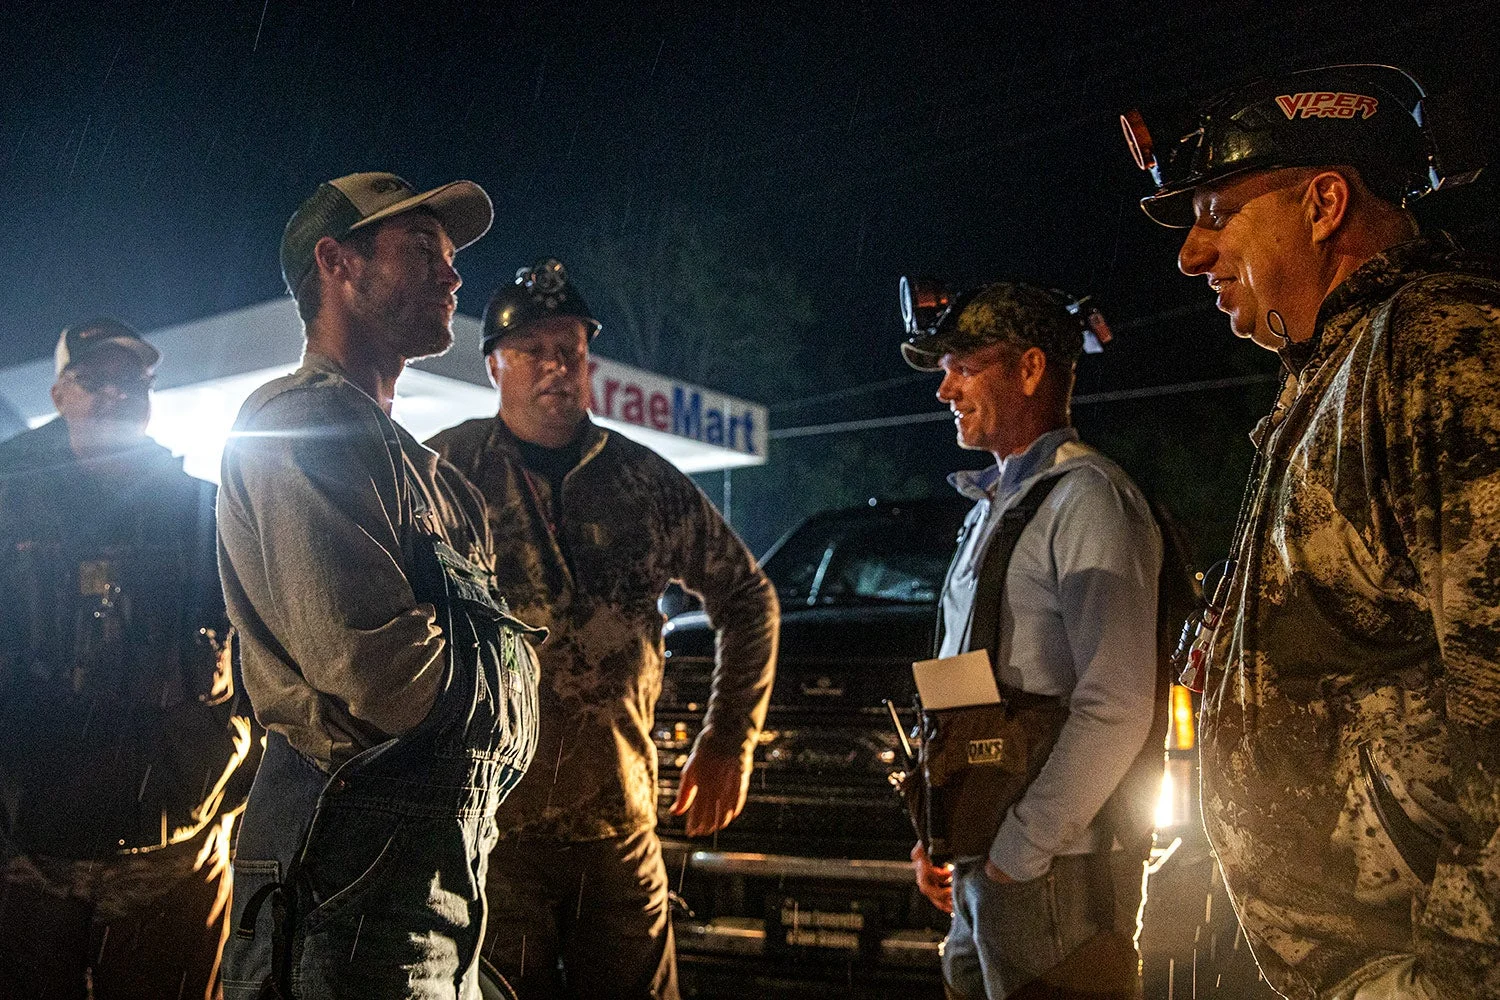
(976, 762)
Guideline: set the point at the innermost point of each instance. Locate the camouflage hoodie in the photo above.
(1362, 641)
(591, 565)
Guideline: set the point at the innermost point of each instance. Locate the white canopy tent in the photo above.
(209, 366)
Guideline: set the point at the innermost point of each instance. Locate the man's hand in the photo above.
(711, 791)
(933, 881)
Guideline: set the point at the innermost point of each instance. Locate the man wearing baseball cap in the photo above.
(591, 527)
(1055, 580)
(124, 746)
(398, 693)
(1351, 715)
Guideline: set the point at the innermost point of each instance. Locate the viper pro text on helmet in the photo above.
(538, 292)
(1377, 119)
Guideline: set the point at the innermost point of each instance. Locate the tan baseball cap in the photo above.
(340, 206)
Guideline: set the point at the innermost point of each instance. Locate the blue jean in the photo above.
(369, 883)
(1004, 937)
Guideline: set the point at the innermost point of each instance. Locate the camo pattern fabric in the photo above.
(627, 524)
(1366, 614)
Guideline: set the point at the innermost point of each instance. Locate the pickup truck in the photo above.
(810, 891)
(811, 887)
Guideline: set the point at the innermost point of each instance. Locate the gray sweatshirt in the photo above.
(338, 654)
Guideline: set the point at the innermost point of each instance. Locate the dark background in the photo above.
(735, 190)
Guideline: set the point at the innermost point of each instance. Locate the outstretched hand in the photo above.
(711, 790)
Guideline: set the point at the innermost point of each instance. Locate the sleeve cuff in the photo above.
(711, 739)
(1016, 856)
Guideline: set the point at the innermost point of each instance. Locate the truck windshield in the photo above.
(881, 561)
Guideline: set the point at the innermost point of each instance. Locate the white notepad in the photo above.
(956, 681)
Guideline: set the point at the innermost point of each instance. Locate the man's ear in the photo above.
(1033, 367)
(328, 256)
(492, 365)
(1327, 201)
(57, 395)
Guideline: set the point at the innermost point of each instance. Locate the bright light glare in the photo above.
(194, 421)
(1174, 803)
(1166, 801)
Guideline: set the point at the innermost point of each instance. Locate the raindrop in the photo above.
(79, 151)
(256, 44)
(357, 930)
(541, 74)
(652, 75)
(110, 72)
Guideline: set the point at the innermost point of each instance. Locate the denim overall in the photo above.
(370, 883)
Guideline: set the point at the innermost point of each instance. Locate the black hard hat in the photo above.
(1001, 312)
(539, 291)
(1365, 116)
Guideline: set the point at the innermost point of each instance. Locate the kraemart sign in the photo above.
(655, 402)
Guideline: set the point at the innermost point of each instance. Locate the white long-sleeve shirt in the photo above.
(1079, 621)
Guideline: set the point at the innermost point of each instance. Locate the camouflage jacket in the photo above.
(627, 524)
(123, 729)
(1353, 704)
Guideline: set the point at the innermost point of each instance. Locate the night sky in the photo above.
(150, 155)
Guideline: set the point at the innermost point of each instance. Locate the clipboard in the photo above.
(956, 681)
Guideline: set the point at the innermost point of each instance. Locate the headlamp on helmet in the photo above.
(937, 322)
(539, 291)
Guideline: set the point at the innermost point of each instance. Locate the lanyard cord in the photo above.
(544, 509)
(1247, 501)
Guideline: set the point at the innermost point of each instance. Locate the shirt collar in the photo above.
(1006, 476)
(312, 361)
(1374, 280)
(593, 438)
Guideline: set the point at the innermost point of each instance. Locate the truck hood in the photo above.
(831, 657)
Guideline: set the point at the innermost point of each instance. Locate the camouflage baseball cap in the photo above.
(344, 204)
(1010, 312)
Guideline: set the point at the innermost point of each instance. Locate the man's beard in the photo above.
(410, 339)
(429, 344)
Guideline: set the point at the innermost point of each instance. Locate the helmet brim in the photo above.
(1173, 209)
(920, 359)
(1172, 204)
(489, 343)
